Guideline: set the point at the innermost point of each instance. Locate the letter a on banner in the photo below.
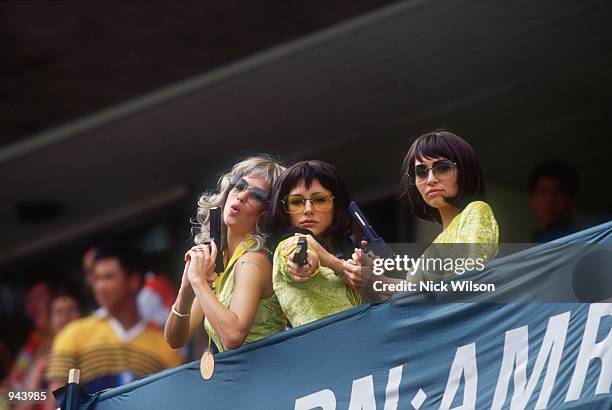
(463, 364)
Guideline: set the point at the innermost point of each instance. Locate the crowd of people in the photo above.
(141, 325)
(118, 341)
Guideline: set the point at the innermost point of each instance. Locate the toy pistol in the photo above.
(376, 244)
(215, 236)
(299, 257)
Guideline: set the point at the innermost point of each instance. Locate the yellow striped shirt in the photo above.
(108, 355)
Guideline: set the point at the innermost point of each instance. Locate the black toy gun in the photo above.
(376, 244)
(299, 257)
(215, 236)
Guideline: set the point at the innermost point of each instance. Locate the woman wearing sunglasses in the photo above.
(237, 306)
(310, 197)
(442, 178)
(444, 183)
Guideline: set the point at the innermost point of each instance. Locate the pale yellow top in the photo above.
(473, 234)
(475, 224)
(269, 318)
(324, 294)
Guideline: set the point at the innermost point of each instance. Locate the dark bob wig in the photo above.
(443, 144)
(277, 221)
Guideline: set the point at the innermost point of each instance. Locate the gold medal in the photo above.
(207, 365)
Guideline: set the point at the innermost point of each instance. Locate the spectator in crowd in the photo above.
(63, 308)
(87, 262)
(39, 339)
(553, 187)
(113, 346)
(154, 299)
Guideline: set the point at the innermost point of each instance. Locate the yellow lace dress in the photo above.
(473, 234)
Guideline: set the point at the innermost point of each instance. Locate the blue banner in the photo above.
(405, 355)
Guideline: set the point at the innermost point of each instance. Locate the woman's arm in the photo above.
(349, 269)
(253, 280)
(178, 329)
(317, 256)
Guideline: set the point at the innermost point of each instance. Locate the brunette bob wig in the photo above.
(278, 221)
(443, 144)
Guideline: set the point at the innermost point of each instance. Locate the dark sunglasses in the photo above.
(241, 185)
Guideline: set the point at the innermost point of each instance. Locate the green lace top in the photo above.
(473, 232)
(475, 224)
(322, 295)
(269, 318)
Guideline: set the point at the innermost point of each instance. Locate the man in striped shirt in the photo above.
(113, 346)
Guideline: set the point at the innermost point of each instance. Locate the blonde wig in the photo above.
(260, 166)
